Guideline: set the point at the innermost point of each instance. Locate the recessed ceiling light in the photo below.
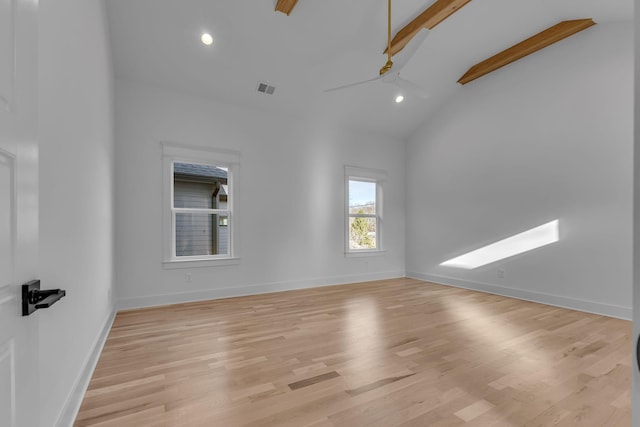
(206, 39)
(399, 99)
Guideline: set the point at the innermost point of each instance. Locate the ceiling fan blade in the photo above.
(402, 58)
(353, 84)
(411, 87)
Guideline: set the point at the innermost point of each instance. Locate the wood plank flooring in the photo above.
(388, 353)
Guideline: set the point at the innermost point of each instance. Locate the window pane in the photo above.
(362, 197)
(362, 233)
(201, 234)
(199, 186)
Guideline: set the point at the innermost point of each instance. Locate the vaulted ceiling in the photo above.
(323, 44)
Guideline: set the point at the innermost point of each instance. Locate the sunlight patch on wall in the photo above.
(522, 242)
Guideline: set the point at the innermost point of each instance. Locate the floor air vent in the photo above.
(266, 88)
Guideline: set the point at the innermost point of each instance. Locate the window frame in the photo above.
(230, 159)
(379, 177)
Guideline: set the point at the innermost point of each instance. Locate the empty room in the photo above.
(318, 213)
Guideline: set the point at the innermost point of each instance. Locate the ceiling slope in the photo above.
(322, 44)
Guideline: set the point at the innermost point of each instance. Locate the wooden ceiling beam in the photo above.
(435, 14)
(533, 44)
(286, 6)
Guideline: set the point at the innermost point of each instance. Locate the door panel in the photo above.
(8, 294)
(18, 335)
(19, 391)
(7, 384)
(7, 219)
(7, 52)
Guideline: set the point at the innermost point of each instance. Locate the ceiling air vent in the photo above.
(266, 88)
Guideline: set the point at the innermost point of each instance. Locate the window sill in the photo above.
(195, 263)
(360, 254)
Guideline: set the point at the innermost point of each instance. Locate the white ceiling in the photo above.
(321, 45)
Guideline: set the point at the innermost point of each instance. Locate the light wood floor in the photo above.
(386, 353)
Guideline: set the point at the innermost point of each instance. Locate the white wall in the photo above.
(549, 137)
(76, 195)
(291, 198)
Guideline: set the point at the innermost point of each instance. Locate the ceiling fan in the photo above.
(390, 72)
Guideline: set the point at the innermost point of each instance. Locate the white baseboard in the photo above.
(237, 291)
(616, 311)
(74, 400)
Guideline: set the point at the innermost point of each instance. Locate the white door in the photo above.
(18, 211)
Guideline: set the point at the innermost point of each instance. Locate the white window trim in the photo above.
(230, 159)
(372, 175)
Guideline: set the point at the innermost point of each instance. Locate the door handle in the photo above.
(33, 298)
(638, 351)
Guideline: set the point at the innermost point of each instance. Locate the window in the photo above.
(364, 210)
(199, 203)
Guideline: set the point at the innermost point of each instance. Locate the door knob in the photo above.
(638, 351)
(33, 298)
